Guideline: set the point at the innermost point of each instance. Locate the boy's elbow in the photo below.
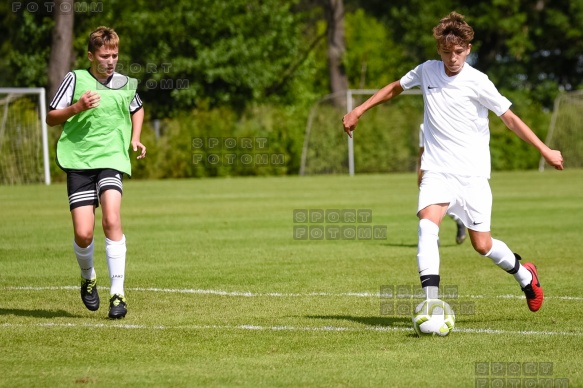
(50, 122)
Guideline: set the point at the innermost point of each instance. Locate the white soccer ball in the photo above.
(433, 317)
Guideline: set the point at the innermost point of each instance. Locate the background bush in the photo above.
(386, 140)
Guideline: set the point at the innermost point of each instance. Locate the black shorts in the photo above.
(84, 187)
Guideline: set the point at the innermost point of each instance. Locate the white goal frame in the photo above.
(349, 93)
(555, 115)
(43, 114)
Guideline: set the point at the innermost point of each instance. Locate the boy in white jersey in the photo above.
(456, 159)
(101, 116)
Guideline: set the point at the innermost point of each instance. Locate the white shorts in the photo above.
(469, 198)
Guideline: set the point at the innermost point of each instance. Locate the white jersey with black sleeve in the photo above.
(64, 96)
(457, 134)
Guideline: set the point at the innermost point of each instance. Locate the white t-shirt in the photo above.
(64, 96)
(457, 135)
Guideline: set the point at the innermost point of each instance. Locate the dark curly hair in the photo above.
(102, 36)
(453, 30)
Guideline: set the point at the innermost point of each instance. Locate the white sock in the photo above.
(431, 292)
(504, 258)
(85, 260)
(427, 248)
(523, 276)
(115, 253)
(428, 256)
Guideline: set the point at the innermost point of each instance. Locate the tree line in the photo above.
(203, 55)
(236, 52)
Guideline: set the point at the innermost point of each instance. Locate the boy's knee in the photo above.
(111, 222)
(83, 238)
(482, 246)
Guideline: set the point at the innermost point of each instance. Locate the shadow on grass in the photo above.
(38, 313)
(402, 245)
(398, 322)
(370, 321)
(409, 245)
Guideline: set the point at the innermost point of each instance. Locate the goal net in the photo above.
(386, 140)
(23, 136)
(566, 129)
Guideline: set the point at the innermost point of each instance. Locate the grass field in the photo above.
(221, 294)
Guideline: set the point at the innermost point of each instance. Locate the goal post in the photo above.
(325, 150)
(566, 129)
(350, 93)
(24, 150)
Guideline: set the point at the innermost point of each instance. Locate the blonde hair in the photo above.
(102, 36)
(453, 30)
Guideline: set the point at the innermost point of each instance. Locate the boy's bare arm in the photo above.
(350, 120)
(137, 120)
(88, 100)
(516, 125)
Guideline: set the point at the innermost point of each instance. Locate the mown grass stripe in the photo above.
(280, 294)
(250, 327)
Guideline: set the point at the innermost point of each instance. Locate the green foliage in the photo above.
(372, 57)
(524, 44)
(188, 54)
(28, 49)
(386, 139)
(206, 53)
(520, 44)
(326, 151)
(185, 54)
(409, 24)
(267, 141)
(205, 62)
(508, 151)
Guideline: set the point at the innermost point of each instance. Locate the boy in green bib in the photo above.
(102, 117)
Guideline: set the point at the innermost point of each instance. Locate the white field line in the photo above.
(284, 295)
(277, 328)
(280, 328)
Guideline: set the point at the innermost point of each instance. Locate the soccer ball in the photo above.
(433, 317)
